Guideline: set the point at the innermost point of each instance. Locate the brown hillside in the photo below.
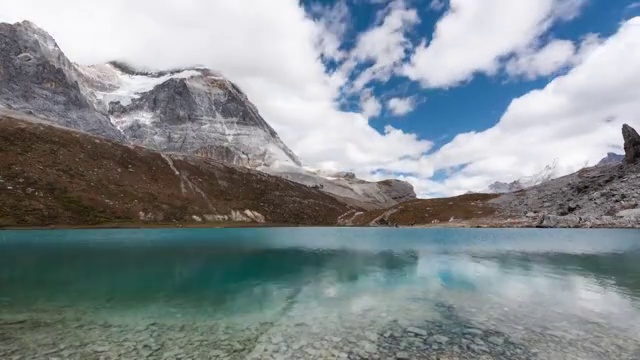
(464, 208)
(50, 175)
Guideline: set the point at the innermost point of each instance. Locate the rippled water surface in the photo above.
(320, 293)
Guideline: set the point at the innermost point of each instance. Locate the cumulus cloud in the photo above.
(385, 45)
(371, 107)
(551, 58)
(401, 106)
(576, 118)
(474, 36)
(333, 21)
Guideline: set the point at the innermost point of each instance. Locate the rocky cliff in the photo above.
(36, 78)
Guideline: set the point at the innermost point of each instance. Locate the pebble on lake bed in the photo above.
(417, 331)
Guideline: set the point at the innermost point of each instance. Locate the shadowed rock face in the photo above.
(398, 190)
(631, 144)
(36, 78)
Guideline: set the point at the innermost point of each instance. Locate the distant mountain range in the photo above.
(110, 145)
(546, 174)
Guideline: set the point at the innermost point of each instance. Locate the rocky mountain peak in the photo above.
(195, 111)
(631, 144)
(611, 159)
(36, 78)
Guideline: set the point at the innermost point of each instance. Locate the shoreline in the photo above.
(125, 226)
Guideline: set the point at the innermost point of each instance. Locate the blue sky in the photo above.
(450, 95)
(440, 114)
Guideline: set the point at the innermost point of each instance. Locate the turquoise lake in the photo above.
(320, 293)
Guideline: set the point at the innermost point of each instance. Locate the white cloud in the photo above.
(474, 36)
(553, 57)
(576, 118)
(333, 22)
(371, 107)
(385, 45)
(270, 48)
(401, 106)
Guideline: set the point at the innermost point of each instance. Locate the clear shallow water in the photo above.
(320, 293)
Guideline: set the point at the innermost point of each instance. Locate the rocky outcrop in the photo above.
(605, 195)
(593, 195)
(398, 190)
(38, 79)
(631, 144)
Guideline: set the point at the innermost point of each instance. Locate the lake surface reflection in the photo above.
(320, 293)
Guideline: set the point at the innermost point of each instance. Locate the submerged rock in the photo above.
(417, 331)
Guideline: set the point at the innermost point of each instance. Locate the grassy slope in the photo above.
(468, 208)
(53, 176)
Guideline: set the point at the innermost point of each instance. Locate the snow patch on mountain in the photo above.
(111, 84)
(548, 173)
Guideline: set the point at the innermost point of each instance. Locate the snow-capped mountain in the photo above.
(546, 174)
(193, 111)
